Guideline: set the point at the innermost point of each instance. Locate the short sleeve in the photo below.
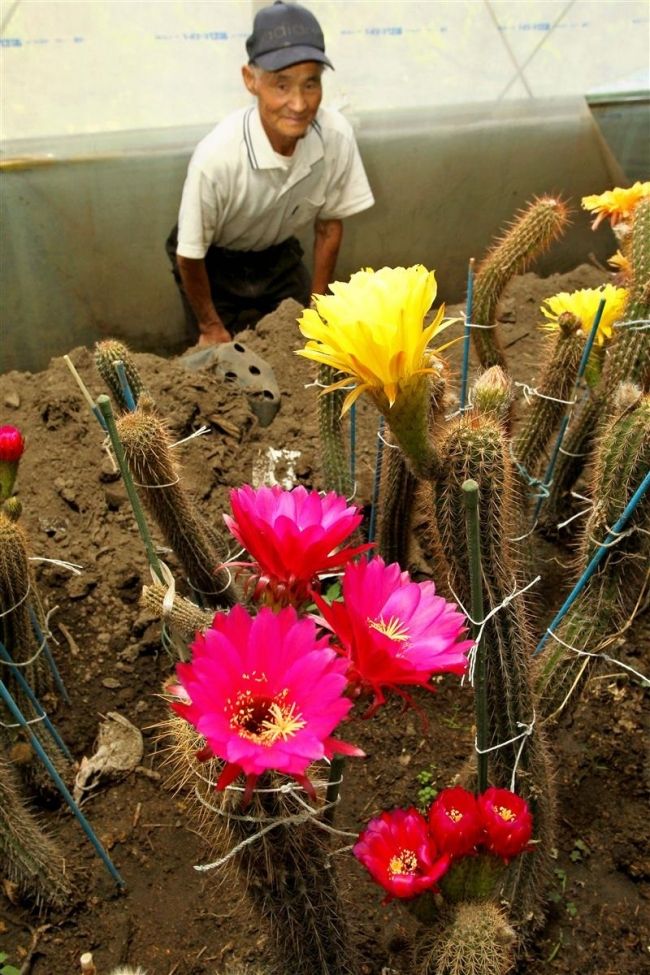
(198, 218)
(348, 190)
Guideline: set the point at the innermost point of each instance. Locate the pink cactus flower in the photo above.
(293, 537)
(265, 693)
(455, 822)
(394, 631)
(12, 446)
(507, 822)
(400, 854)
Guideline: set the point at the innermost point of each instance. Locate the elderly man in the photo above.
(261, 176)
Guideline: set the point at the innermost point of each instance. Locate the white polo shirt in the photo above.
(240, 194)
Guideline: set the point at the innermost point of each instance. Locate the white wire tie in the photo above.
(70, 566)
(197, 433)
(22, 599)
(601, 656)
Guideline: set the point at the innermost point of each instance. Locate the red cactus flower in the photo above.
(507, 822)
(292, 536)
(12, 446)
(455, 822)
(394, 631)
(399, 853)
(265, 693)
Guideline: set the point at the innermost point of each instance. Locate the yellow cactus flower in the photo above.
(617, 204)
(621, 263)
(372, 330)
(584, 305)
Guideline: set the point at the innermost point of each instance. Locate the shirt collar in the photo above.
(260, 151)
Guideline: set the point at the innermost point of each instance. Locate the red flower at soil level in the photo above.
(292, 536)
(455, 821)
(400, 854)
(393, 630)
(12, 446)
(265, 693)
(507, 821)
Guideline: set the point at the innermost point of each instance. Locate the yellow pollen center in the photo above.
(394, 629)
(506, 814)
(455, 814)
(403, 862)
(265, 720)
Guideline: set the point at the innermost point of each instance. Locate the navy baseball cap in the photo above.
(285, 34)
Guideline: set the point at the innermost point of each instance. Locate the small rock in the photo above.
(114, 497)
(12, 399)
(112, 683)
(80, 586)
(507, 310)
(108, 474)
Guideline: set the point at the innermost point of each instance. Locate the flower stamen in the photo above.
(395, 629)
(404, 862)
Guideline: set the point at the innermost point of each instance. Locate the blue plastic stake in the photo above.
(467, 334)
(353, 443)
(56, 737)
(372, 527)
(61, 786)
(596, 559)
(42, 641)
(129, 398)
(548, 476)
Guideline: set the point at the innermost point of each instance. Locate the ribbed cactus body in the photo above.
(398, 488)
(29, 857)
(476, 939)
(107, 353)
(334, 455)
(185, 617)
(614, 592)
(529, 235)
(562, 355)
(197, 545)
(476, 448)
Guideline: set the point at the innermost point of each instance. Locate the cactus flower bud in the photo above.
(12, 445)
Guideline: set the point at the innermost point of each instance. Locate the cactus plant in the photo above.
(476, 939)
(529, 234)
(29, 857)
(335, 464)
(107, 353)
(613, 594)
(198, 546)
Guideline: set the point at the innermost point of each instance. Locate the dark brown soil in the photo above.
(172, 919)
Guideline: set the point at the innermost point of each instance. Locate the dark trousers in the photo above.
(246, 285)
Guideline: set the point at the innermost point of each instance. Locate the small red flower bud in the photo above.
(12, 444)
(507, 821)
(455, 822)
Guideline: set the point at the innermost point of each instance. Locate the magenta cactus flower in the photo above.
(265, 693)
(400, 854)
(293, 537)
(12, 446)
(507, 821)
(394, 631)
(455, 821)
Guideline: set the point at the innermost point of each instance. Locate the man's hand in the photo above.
(214, 332)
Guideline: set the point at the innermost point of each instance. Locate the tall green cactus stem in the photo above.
(29, 857)
(334, 457)
(17, 590)
(562, 354)
(292, 881)
(185, 617)
(530, 234)
(399, 486)
(397, 494)
(475, 448)
(416, 410)
(473, 938)
(106, 353)
(198, 547)
(627, 360)
(614, 594)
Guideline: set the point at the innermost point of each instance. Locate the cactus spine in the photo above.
(398, 489)
(198, 547)
(108, 352)
(477, 940)
(558, 378)
(334, 459)
(529, 234)
(29, 857)
(475, 447)
(613, 594)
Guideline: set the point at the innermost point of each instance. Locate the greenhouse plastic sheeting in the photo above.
(85, 218)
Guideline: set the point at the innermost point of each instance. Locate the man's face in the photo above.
(288, 101)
